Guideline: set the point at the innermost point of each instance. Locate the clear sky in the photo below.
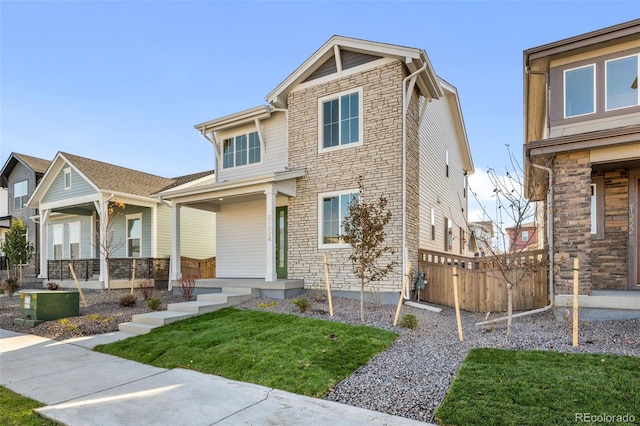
(125, 81)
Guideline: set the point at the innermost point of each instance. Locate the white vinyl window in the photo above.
(580, 91)
(74, 240)
(340, 120)
(20, 194)
(525, 236)
(332, 209)
(241, 150)
(67, 178)
(622, 83)
(58, 238)
(134, 235)
(448, 234)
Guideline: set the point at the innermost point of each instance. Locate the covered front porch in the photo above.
(251, 226)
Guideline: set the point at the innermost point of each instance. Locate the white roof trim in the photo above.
(236, 119)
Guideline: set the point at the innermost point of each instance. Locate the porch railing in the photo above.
(119, 268)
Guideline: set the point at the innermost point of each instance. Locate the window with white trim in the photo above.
(20, 194)
(448, 234)
(241, 150)
(597, 207)
(525, 236)
(340, 120)
(332, 209)
(58, 236)
(433, 224)
(621, 83)
(67, 178)
(134, 235)
(580, 91)
(74, 240)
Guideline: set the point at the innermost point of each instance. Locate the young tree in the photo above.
(513, 209)
(16, 246)
(107, 243)
(364, 230)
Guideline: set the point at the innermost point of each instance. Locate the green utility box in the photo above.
(46, 305)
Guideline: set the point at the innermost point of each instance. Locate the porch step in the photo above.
(196, 307)
(205, 303)
(160, 317)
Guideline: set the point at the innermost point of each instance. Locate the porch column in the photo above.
(174, 268)
(44, 243)
(102, 243)
(271, 274)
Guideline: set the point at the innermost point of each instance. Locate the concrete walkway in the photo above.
(83, 387)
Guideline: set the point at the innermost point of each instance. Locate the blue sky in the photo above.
(125, 81)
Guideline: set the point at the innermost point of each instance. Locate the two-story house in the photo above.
(523, 237)
(19, 176)
(286, 171)
(582, 144)
(73, 201)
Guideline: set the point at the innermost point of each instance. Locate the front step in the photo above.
(205, 303)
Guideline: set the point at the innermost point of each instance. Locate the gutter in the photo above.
(549, 243)
(405, 108)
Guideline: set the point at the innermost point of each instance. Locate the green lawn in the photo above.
(504, 387)
(288, 352)
(17, 410)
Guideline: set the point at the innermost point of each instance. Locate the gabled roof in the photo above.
(38, 165)
(111, 178)
(182, 180)
(413, 58)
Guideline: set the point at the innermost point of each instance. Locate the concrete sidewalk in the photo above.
(83, 387)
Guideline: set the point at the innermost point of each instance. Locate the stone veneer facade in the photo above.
(603, 262)
(378, 160)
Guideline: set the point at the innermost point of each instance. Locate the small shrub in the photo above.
(94, 317)
(409, 321)
(11, 285)
(53, 286)
(64, 321)
(267, 305)
(187, 284)
(128, 300)
(302, 304)
(154, 304)
(146, 288)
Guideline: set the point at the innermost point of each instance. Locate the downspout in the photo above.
(549, 243)
(405, 109)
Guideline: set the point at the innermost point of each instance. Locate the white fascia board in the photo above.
(69, 202)
(136, 200)
(464, 140)
(236, 119)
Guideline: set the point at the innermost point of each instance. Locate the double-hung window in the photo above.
(134, 235)
(332, 209)
(622, 82)
(58, 235)
(20, 191)
(580, 91)
(67, 178)
(241, 150)
(74, 240)
(340, 120)
(525, 236)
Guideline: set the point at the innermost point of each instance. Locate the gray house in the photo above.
(19, 176)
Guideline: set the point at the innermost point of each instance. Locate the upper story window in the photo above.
(525, 236)
(622, 82)
(20, 197)
(340, 120)
(580, 91)
(241, 150)
(67, 178)
(332, 209)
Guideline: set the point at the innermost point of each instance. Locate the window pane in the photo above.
(57, 252)
(330, 124)
(241, 150)
(578, 91)
(75, 250)
(254, 148)
(134, 247)
(621, 74)
(345, 200)
(227, 156)
(349, 119)
(330, 222)
(134, 228)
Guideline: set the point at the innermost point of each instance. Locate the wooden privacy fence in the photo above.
(198, 268)
(481, 286)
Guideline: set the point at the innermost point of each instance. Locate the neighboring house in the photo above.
(72, 201)
(523, 237)
(582, 124)
(286, 171)
(480, 234)
(19, 176)
(5, 223)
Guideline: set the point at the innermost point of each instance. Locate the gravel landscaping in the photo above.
(412, 376)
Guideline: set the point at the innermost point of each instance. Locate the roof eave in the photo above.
(236, 119)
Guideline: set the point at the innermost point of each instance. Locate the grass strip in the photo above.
(521, 387)
(287, 352)
(17, 410)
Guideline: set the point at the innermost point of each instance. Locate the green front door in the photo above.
(281, 242)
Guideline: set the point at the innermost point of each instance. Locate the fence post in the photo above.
(326, 276)
(456, 302)
(404, 286)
